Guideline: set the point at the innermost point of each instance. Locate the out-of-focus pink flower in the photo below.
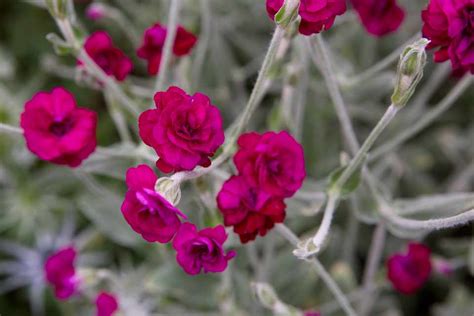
(56, 130)
(311, 313)
(106, 304)
(379, 17)
(408, 272)
(443, 266)
(316, 15)
(201, 250)
(272, 161)
(146, 211)
(449, 25)
(61, 274)
(95, 11)
(112, 60)
(184, 130)
(249, 209)
(154, 40)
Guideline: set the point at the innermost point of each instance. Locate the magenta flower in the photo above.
(408, 272)
(95, 11)
(61, 274)
(112, 60)
(198, 250)
(449, 25)
(311, 313)
(316, 15)
(56, 130)
(154, 40)
(249, 209)
(272, 161)
(106, 304)
(184, 130)
(146, 211)
(379, 17)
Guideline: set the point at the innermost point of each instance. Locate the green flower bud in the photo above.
(287, 13)
(410, 71)
(169, 189)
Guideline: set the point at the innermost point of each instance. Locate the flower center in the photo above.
(274, 167)
(61, 128)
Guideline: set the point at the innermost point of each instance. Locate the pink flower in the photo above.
(272, 161)
(316, 15)
(408, 272)
(197, 250)
(112, 60)
(273, 6)
(56, 130)
(311, 313)
(106, 304)
(379, 17)
(146, 211)
(249, 209)
(154, 40)
(449, 25)
(61, 274)
(184, 130)
(95, 11)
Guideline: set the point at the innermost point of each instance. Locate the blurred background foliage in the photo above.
(43, 206)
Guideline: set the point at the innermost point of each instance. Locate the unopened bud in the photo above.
(169, 189)
(410, 71)
(96, 11)
(287, 13)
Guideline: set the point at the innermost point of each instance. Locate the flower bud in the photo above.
(96, 11)
(287, 13)
(267, 297)
(169, 189)
(410, 71)
(57, 8)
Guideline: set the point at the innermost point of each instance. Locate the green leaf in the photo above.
(347, 188)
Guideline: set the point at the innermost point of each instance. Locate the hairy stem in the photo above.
(169, 42)
(286, 233)
(373, 262)
(10, 129)
(428, 118)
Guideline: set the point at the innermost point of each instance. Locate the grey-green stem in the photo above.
(171, 27)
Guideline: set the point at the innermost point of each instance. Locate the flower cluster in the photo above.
(271, 168)
(316, 16)
(449, 25)
(184, 130)
(408, 272)
(154, 41)
(156, 219)
(379, 17)
(58, 131)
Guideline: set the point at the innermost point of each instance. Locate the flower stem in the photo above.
(286, 233)
(171, 29)
(375, 255)
(428, 118)
(10, 129)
